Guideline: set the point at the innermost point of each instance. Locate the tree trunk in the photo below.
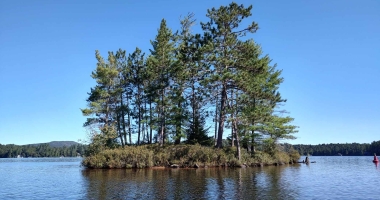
(253, 142)
(146, 123)
(222, 116)
(139, 112)
(216, 120)
(129, 128)
(129, 121)
(119, 131)
(232, 129)
(139, 126)
(232, 138)
(150, 122)
(253, 131)
(123, 119)
(162, 128)
(178, 124)
(179, 116)
(237, 138)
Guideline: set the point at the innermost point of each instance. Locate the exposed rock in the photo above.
(241, 166)
(196, 165)
(174, 166)
(281, 163)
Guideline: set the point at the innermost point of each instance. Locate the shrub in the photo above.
(136, 157)
(182, 155)
(294, 156)
(262, 157)
(281, 157)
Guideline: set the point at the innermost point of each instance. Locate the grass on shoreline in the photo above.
(184, 156)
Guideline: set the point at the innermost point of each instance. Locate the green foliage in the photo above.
(269, 146)
(161, 67)
(347, 149)
(263, 157)
(170, 93)
(41, 150)
(127, 157)
(374, 147)
(103, 101)
(198, 134)
(181, 155)
(294, 156)
(225, 52)
(282, 157)
(189, 155)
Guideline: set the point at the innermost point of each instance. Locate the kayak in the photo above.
(375, 161)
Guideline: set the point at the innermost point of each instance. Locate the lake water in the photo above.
(63, 178)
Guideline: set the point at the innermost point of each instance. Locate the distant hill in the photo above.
(58, 143)
(62, 143)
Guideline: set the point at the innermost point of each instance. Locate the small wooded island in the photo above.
(157, 109)
(184, 156)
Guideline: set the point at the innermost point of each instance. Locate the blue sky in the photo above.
(329, 52)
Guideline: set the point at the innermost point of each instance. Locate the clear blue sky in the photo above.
(329, 52)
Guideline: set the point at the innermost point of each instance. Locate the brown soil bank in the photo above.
(183, 156)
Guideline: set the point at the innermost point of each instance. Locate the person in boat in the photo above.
(307, 159)
(374, 157)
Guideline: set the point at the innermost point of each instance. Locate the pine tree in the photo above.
(172, 91)
(102, 102)
(225, 47)
(160, 65)
(136, 64)
(123, 108)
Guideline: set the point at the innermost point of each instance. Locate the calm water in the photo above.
(63, 178)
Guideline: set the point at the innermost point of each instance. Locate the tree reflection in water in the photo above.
(209, 183)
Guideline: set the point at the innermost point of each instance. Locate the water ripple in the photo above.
(56, 178)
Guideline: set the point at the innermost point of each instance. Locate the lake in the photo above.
(337, 177)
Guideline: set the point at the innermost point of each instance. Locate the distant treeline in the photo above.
(347, 149)
(41, 150)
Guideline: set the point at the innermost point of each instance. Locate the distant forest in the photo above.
(41, 150)
(347, 149)
(55, 150)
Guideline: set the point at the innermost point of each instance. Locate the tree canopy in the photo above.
(188, 83)
(344, 149)
(41, 150)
